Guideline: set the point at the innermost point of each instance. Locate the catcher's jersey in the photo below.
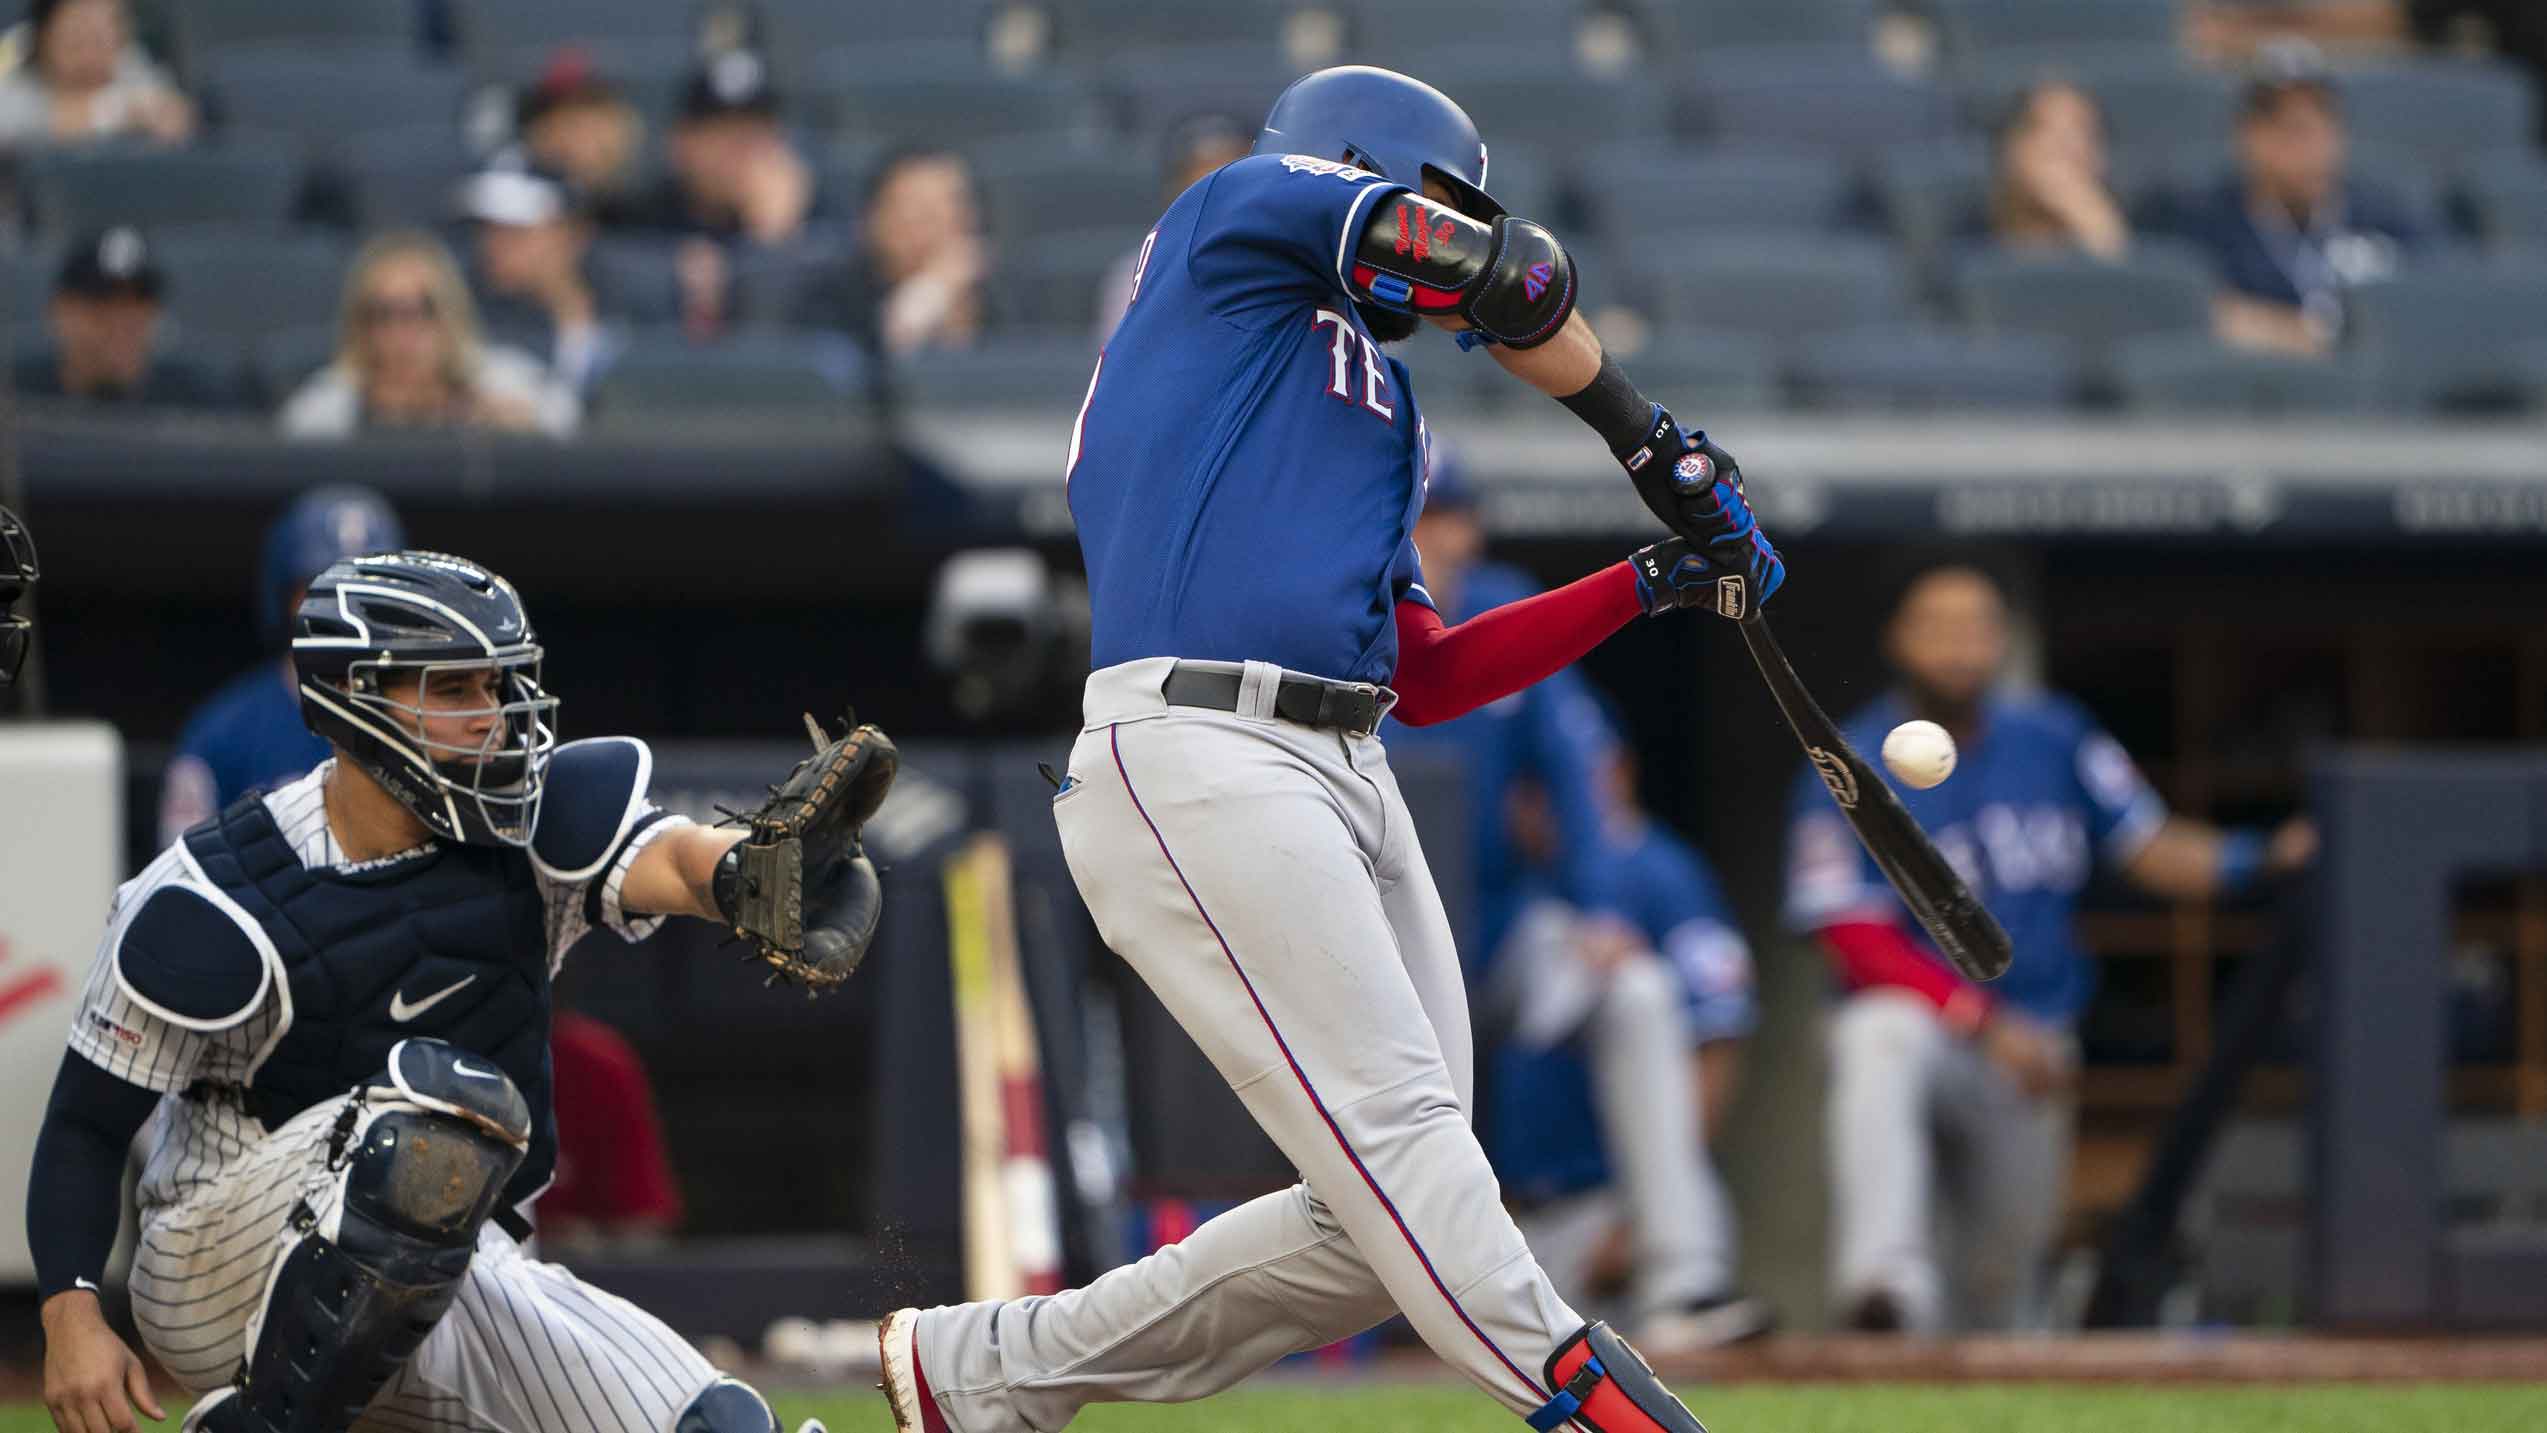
(2035, 800)
(1247, 464)
(191, 1139)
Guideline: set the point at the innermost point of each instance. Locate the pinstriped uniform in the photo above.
(526, 1347)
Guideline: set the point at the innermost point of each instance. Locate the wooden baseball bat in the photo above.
(1960, 925)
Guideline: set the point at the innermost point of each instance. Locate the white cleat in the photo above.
(901, 1369)
(812, 1425)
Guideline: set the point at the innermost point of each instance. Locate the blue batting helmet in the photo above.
(1394, 125)
(319, 527)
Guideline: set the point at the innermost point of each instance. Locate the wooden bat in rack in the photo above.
(1966, 931)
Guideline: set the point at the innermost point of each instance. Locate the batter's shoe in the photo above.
(1710, 1323)
(1876, 1312)
(905, 1387)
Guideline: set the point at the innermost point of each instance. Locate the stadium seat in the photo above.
(650, 74)
(1094, 29)
(2527, 363)
(207, 29)
(282, 360)
(1933, 197)
(1704, 371)
(754, 376)
(323, 97)
(405, 177)
(1029, 188)
(812, 26)
(1643, 190)
(2441, 335)
(1406, 34)
(2151, 103)
(28, 274)
(1152, 89)
(2508, 192)
(1692, 27)
(243, 181)
(2195, 373)
(1515, 99)
(1973, 27)
(1054, 283)
(1914, 368)
(1830, 98)
(2443, 111)
(497, 27)
(239, 283)
(1046, 370)
(947, 95)
(1782, 287)
(2156, 290)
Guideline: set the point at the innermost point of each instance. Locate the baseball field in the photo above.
(1361, 1407)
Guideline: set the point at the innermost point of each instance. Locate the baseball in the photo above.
(1920, 753)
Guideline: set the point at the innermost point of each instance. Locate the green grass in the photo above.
(1796, 1408)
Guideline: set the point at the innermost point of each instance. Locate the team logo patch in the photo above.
(1693, 468)
(1535, 281)
(1311, 164)
(1835, 775)
(115, 1032)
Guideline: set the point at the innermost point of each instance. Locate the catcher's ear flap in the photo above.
(840, 917)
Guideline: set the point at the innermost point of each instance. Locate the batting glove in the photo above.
(1732, 578)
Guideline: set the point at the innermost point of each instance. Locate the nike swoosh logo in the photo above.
(403, 1010)
(83, 1283)
(461, 1067)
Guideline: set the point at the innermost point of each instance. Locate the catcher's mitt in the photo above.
(799, 889)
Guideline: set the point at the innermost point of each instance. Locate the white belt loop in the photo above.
(1258, 685)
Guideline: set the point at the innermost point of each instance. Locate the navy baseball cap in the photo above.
(111, 263)
(2283, 65)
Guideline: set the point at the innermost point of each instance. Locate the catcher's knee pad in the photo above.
(423, 1159)
(1601, 1384)
(728, 1405)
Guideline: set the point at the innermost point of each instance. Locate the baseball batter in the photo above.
(1245, 470)
(326, 1013)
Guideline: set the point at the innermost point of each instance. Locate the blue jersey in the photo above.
(1541, 1130)
(2035, 800)
(248, 736)
(1247, 463)
(1552, 730)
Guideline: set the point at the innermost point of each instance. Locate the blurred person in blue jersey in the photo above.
(249, 735)
(1950, 1103)
(1615, 988)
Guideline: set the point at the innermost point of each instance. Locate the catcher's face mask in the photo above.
(17, 573)
(464, 745)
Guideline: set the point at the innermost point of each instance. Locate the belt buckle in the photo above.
(1370, 691)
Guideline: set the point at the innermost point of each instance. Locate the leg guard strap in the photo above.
(1602, 1385)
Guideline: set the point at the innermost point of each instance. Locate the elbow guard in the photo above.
(1512, 281)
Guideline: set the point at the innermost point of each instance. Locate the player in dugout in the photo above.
(1949, 1097)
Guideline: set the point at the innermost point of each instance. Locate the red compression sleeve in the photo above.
(1443, 672)
(1873, 954)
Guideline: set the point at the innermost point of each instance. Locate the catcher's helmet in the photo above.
(1394, 125)
(369, 624)
(17, 574)
(320, 526)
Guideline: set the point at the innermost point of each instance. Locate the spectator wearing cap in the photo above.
(734, 174)
(104, 319)
(2290, 233)
(1196, 148)
(576, 124)
(532, 240)
(2047, 188)
(409, 355)
(916, 280)
(84, 79)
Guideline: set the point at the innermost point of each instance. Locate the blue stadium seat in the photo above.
(947, 95)
(405, 177)
(1918, 368)
(1030, 188)
(650, 74)
(1977, 26)
(226, 283)
(283, 359)
(1828, 98)
(1053, 284)
(2151, 103)
(2508, 191)
(27, 273)
(1703, 371)
(2195, 373)
(1046, 370)
(239, 182)
(1933, 197)
(1782, 287)
(496, 27)
(2094, 304)
(1689, 28)
(2443, 334)
(1407, 34)
(1634, 191)
(322, 97)
(1092, 29)
(811, 26)
(1515, 99)
(206, 29)
(1154, 88)
(750, 377)
(2444, 111)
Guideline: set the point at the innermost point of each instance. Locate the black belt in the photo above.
(1352, 707)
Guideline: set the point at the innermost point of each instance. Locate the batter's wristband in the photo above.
(1614, 409)
(2242, 855)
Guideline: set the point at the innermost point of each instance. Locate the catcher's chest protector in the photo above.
(453, 944)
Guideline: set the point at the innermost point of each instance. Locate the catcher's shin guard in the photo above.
(424, 1161)
(728, 1405)
(1602, 1385)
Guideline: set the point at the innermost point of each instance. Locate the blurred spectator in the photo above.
(614, 1177)
(85, 79)
(2515, 29)
(734, 174)
(1951, 1103)
(104, 319)
(577, 125)
(1194, 149)
(916, 280)
(2290, 233)
(2231, 30)
(249, 736)
(409, 355)
(533, 238)
(2048, 187)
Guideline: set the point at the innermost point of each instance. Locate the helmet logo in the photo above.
(1535, 281)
